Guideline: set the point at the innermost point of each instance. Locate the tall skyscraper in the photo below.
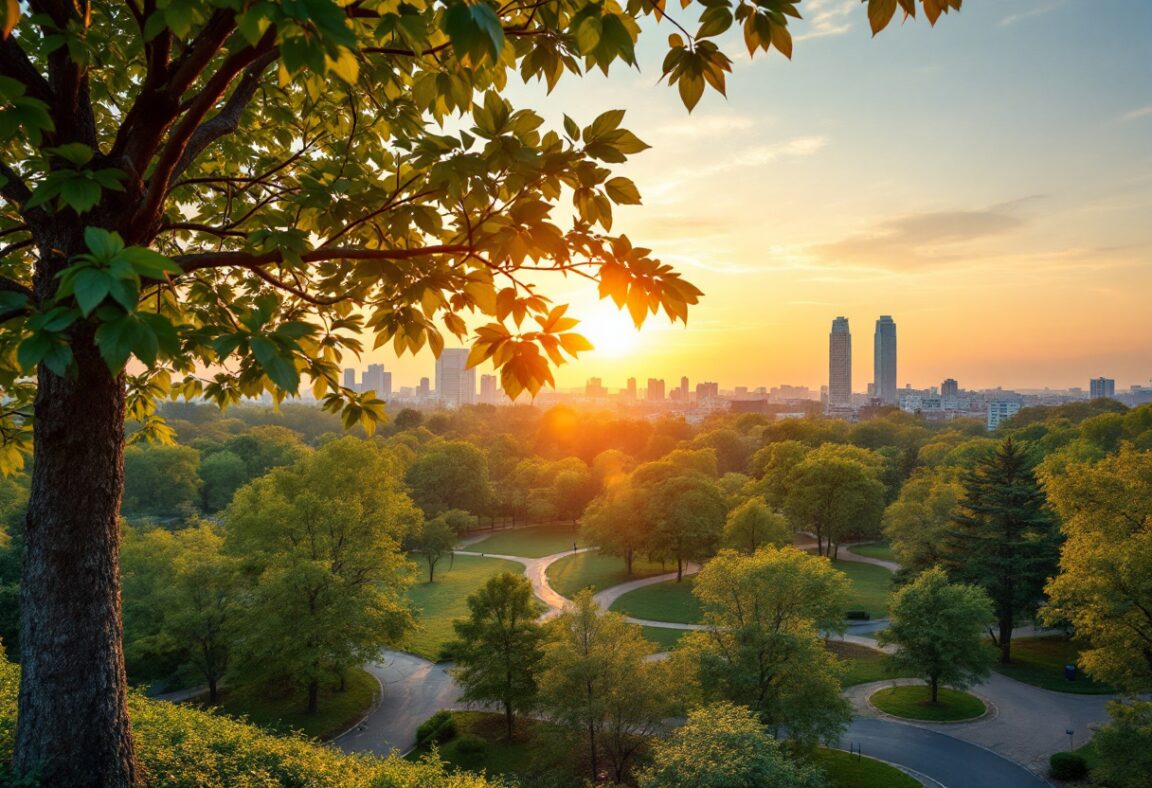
(684, 389)
(885, 360)
(950, 388)
(373, 379)
(455, 383)
(350, 378)
(630, 391)
(1102, 387)
(840, 364)
(655, 389)
(424, 389)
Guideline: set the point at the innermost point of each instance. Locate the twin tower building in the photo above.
(840, 363)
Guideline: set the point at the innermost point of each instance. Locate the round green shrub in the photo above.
(439, 728)
(1067, 766)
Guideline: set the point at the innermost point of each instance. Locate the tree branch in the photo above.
(14, 63)
(303, 295)
(227, 120)
(14, 189)
(146, 218)
(196, 262)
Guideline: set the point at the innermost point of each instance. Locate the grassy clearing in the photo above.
(666, 639)
(595, 571)
(667, 601)
(870, 587)
(1040, 662)
(281, 713)
(446, 600)
(853, 771)
(912, 703)
(534, 542)
(881, 550)
(863, 664)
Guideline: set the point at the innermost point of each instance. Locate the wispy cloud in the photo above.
(1141, 112)
(1012, 19)
(923, 239)
(828, 18)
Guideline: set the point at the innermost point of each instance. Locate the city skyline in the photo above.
(1007, 261)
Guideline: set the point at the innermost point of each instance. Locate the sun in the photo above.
(610, 330)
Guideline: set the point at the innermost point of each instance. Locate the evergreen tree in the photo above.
(1003, 537)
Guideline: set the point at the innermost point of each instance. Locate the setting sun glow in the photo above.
(609, 329)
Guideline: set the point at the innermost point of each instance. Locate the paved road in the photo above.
(536, 570)
(951, 762)
(414, 690)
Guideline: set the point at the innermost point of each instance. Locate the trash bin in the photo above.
(1070, 672)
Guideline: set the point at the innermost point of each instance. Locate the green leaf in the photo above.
(115, 339)
(278, 366)
(149, 264)
(90, 287)
(622, 191)
(80, 194)
(11, 302)
(103, 244)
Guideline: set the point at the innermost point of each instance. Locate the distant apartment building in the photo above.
(594, 389)
(489, 393)
(1099, 388)
(350, 379)
(630, 389)
(840, 364)
(455, 382)
(949, 388)
(684, 389)
(655, 390)
(884, 361)
(1000, 410)
(707, 391)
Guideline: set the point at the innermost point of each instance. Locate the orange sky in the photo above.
(988, 183)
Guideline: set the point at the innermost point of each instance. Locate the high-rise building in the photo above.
(594, 389)
(1102, 387)
(350, 379)
(840, 364)
(630, 391)
(684, 389)
(950, 388)
(373, 379)
(655, 390)
(455, 382)
(489, 394)
(1000, 410)
(884, 360)
(707, 391)
(424, 389)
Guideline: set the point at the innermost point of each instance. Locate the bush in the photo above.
(1067, 766)
(471, 747)
(438, 728)
(858, 615)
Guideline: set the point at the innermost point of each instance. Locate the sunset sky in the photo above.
(988, 183)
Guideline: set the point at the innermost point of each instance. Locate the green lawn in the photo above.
(667, 601)
(534, 756)
(1040, 662)
(852, 771)
(863, 664)
(281, 713)
(912, 703)
(440, 603)
(535, 542)
(881, 550)
(595, 571)
(665, 638)
(870, 587)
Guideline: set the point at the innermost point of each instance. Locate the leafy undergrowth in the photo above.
(285, 712)
(1040, 662)
(182, 747)
(912, 703)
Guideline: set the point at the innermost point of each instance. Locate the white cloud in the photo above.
(1012, 19)
(827, 18)
(1141, 112)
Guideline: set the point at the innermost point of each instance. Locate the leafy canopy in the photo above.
(226, 197)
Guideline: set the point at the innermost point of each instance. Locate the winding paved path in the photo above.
(1029, 723)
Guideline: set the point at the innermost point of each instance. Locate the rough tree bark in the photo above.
(73, 726)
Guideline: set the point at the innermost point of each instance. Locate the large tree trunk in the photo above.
(935, 689)
(1005, 640)
(73, 724)
(313, 696)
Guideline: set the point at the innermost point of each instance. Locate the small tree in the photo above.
(938, 629)
(434, 540)
(751, 525)
(688, 514)
(599, 684)
(724, 746)
(498, 651)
